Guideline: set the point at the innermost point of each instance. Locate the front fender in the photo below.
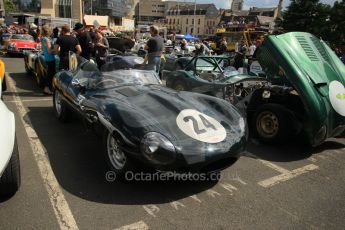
(7, 136)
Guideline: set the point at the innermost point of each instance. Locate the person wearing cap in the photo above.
(154, 47)
(84, 39)
(66, 43)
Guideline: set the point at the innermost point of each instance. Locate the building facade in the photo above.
(147, 11)
(112, 8)
(62, 8)
(200, 20)
(237, 5)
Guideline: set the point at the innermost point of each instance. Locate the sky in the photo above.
(250, 3)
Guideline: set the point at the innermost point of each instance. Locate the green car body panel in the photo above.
(316, 73)
(298, 60)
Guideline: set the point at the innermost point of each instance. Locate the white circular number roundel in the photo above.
(337, 97)
(201, 127)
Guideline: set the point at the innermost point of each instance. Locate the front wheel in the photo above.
(10, 179)
(272, 123)
(60, 109)
(117, 160)
(178, 66)
(179, 86)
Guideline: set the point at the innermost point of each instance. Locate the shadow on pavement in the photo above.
(291, 151)
(25, 82)
(77, 161)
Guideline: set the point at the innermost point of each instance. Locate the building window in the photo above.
(64, 8)
(199, 21)
(178, 21)
(187, 21)
(191, 30)
(193, 21)
(198, 30)
(174, 21)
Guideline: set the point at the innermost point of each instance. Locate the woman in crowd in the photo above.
(48, 52)
(55, 34)
(101, 48)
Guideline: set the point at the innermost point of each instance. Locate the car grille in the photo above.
(26, 49)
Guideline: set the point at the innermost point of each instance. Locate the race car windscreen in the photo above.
(22, 37)
(126, 77)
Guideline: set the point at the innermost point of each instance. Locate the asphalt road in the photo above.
(64, 181)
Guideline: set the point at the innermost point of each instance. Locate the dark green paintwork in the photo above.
(309, 65)
(299, 60)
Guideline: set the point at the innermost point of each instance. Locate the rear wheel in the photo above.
(39, 75)
(10, 179)
(4, 84)
(271, 123)
(27, 70)
(60, 109)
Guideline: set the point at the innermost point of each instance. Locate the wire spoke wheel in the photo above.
(116, 156)
(58, 102)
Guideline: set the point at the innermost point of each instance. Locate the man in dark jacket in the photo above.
(84, 39)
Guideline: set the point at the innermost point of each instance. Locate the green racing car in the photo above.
(300, 93)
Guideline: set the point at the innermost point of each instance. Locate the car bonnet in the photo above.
(312, 68)
(196, 124)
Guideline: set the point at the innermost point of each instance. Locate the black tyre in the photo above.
(60, 108)
(272, 123)
(10, 179)
(117, 160)
(39, 75)
(4, 84)
(178, 66)
(27, 70)
(179, 86)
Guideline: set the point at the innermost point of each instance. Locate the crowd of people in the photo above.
(87, 43)
(92, 44)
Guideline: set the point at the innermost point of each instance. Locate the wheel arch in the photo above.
(180, 75)
(7, 136)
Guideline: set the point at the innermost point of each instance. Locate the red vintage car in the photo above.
(19, 43)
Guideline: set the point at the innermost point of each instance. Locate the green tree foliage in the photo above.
(317, 18)
(308, 16)
(9, 6)
(337, 22)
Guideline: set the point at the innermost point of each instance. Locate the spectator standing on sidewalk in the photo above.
(84, 39)
(66, 43)
(154, 47)
(49, 57)
(101, 48)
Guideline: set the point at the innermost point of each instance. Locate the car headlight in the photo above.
(12, 45)
(157, 148)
